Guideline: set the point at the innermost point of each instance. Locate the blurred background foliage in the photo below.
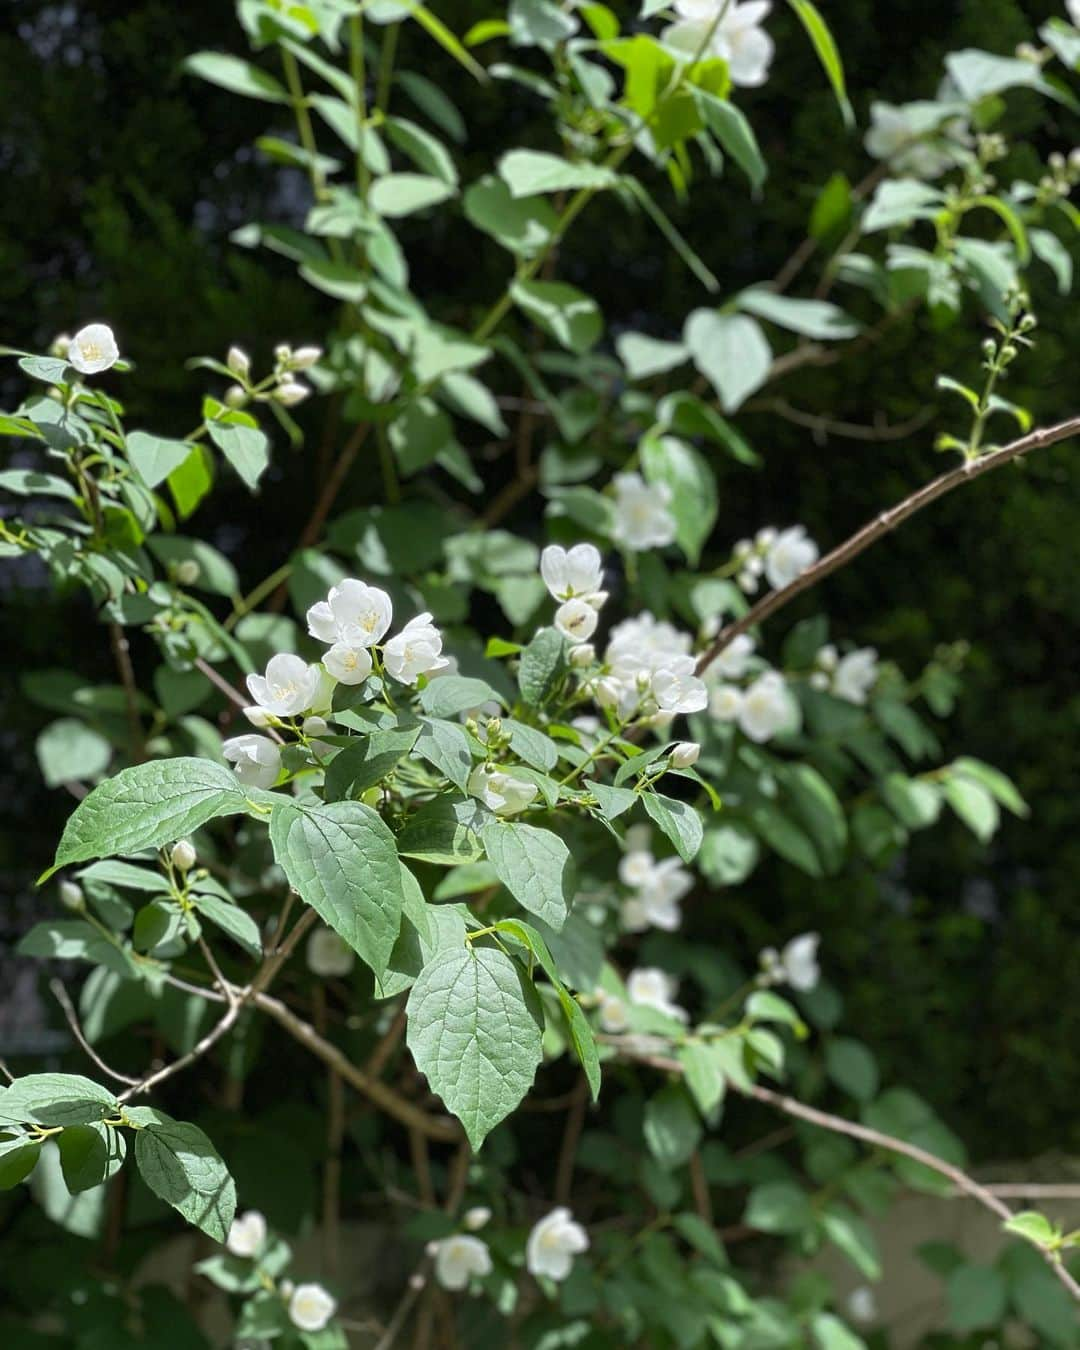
(123, 181)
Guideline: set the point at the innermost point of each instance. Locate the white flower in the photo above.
(685, 754)
(576, 619)
(856, 674)
(733, 661)
(765, 708)
(659, 895)
(502, 792)
(183, 855)
(289, 687)
(328, 954)
(256, 759)
(313, 728)
(614, 1017)
(311, 1307)
(790, 556)
(725, 702)
(574, 574)
(1073, 6)
(677, 689)
(93, 349)
(349, 665)
(416, 651)
(636, 867)
(238, 362)
(861, 1304)
(459, 1258)
(247, 1234)
(797, 964)
(899, 135)
(653, 988)
(553, 1244)
(476, 1218)
(584, 654)
(291, 392)
(642, 516)
(738, 38)
(354, 614)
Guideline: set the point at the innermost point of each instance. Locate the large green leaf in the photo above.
(51, 1099)
(570, 316)
(475, 1032)
(535, 867)
(146, 806)
(342, 859)
(68, 751)
(246, 449)
(238, 77)
(155, 457)
(731, 351)
(182, 1167)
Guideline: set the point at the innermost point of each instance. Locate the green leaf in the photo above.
(446, 746)
(51, 1099)
(977, 1297)
(75, 940)
(665, 459)
(729, 853)
(367, 761)
(475, 1032)
(1000, 787)
(645, 356)
(535, 867)
(231, 919)
(831, 1334)
(338, 279)
(828, 55)
(428, 154)
(1050, 250)
(450, 695)
(852, 1066)
(191, 481)
(543, 663)
(779, 1207)
(612, 801)
(342, 859)
(812, 318)
(565, 313)
(1033, 1227)
(18, 1158)
(731, 351)
(238, 77)
(155, 457)
(90, 1154)
(672, 1127)
(68, 751)
(445, 832)
(703, 1072)
(974, 805)
(854, 1238)
(529, 172)
(182, 1167)
(524, 225)
(146, 806)
(678, 820)
(246, 448)
(735, 135)
(402, 194)
(899, 202)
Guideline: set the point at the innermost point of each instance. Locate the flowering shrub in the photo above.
(500, 787)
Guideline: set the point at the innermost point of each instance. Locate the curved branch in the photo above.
(882, 525)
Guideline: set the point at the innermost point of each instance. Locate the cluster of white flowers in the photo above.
(285, 389)
(796, 965)
(656, 887)
(550, 1249)
(850, 677)
(781, 556)
(310, 1306)
(575, 577)
(726, 29)
(648, 987)
(762, 710)
(649, 671)
(643, 517)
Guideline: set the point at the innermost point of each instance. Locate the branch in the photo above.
(122, 656)
(823, 427)
(882, 525)
(61, 996)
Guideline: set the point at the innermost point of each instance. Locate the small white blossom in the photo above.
(725, 702)
(584, 654)
(1073, 6)
(643, 517)
(238, 362)
(415, 651)
(828, 658)
(733, 661)
(855, 675)
(738, 38)
(328, 954)
(766, 537)
(819, 680)
(305, 357)
(71, 896)
(246, 1234)
(291, 392)
(747, 582)
(459, 1258)
(348, 665)
(792, 553)
(553, 1244)
(354, 614)
(60, 346)
(183, 855)
(797, 964)
(311, 1307)
(636, 867)
(576, 619)
(614, 1018)
(93, 349)
(256, 759)
(235, 396)
(188, 572)
(657, 899)
(652, 988)
(577, 573)
(501, 792)
(685, 754)
(476, 1218)
(289, 687)
(677, 689)
(765, 708)
(862, 1305)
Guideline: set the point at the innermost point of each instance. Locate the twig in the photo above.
(421, 1163)
(700, 1186)
(1031, 1190)
(6, 1071)
(882, 525)
(197, 1051)
(61, 996)
(380, 1056)
(215, 970)
(854, 431)
(230, 691)
(122, 656)
(575, 1122)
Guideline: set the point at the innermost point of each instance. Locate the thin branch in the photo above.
(575, 1123)
(61, 996)
(216, 1032)
(230, 691)
(699, 1185)
(882, 525)
(822, 427)
(6, 1071)
(122, 656)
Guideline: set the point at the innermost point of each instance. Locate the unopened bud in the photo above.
(607, 693)
(1074, 159)
(304, 357)
(685, 754)
(239, 362)
(315, 726)
(183, 855)
(71, 896)
(291, 393)
(61, 344)
(282, 353)
(475, 1218)
(1056, 160)
(584, 654)
(493, 728)
(235, 397)
(256, 716)
(188, 572)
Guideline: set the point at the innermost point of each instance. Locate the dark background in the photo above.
(122, 180)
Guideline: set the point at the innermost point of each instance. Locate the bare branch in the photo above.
(61, 996)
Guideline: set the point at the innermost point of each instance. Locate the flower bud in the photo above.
(235, 397)
(607, 693)
(1056, 160)
(304, 357)
(474, 1219)
(283, 353)
(71, 896)
(188, 572)
(256, 716)
(685, 754)
(315, 726)
(291, 393)
(584, 654)
(748, 583)
(493, 729)
(239, 362)
(183, 855)
(1074, 162)
(61, 344)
